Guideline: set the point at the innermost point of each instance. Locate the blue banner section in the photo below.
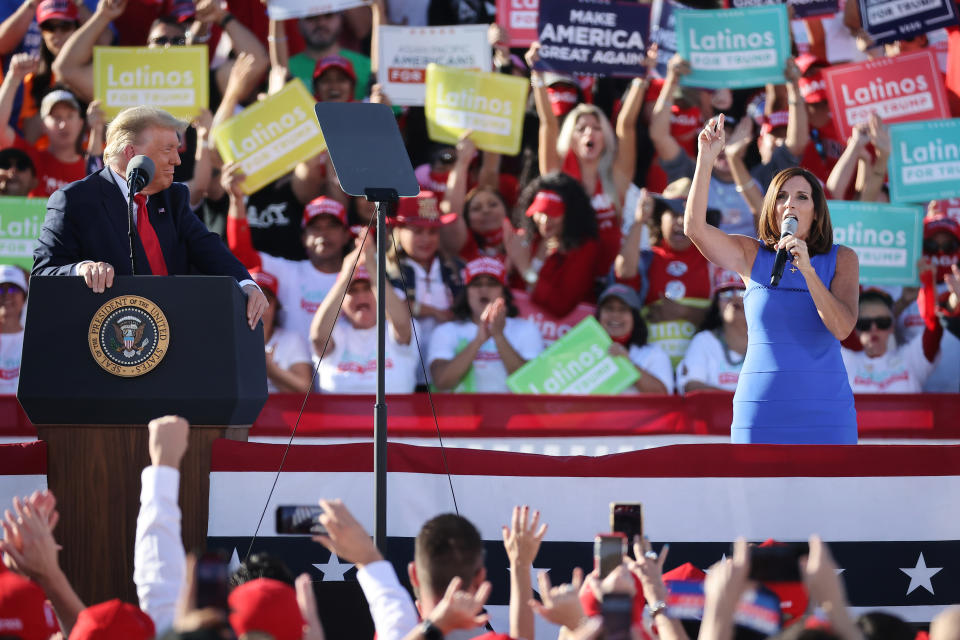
(890, 20)
(734, 48)
(663, 31)
(593, 37)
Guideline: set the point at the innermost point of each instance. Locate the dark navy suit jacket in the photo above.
(87, 220)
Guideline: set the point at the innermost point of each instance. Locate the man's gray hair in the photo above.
(130, 123)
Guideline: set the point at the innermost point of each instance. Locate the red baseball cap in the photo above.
(727, 279)
(774, 120)
(24, 612)
(686, 572)
(548, 202)
(813, 88)
(334, 62)
(113, 619)
(266, 280)
(266, 605)
(324, 206)
(422, 211)
(485, 266)
(56, 10)
(940, 222)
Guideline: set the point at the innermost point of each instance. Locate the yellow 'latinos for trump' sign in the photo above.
(175, 79)
(489, 104)
(269, 138)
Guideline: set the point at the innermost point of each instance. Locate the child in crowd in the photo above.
(288, 356)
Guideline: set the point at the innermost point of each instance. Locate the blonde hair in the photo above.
(605, 165)
(130, 123)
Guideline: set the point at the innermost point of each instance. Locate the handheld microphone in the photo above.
(787, 228)
(140, 172)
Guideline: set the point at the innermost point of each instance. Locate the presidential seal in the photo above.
(128, 336)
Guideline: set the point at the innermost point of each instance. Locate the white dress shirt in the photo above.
(391, 608)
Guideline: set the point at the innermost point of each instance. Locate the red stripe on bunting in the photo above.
(677, 461)
(23, 459)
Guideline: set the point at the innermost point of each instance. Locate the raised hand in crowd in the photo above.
(239, 83)
(74, 64)
(203, 158)
(626, 265)
(307, 601)
(560, 605)
(648, 567)
(168, 441)
(29, 548)
(875, 167)
(20, 65)
(456, 610)
(727, 581)
(522, 542)
(379, 96)
(842, 174)
(345, 536)
(97, 123)
(825, 587)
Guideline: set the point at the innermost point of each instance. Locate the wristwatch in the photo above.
(430, 632)
(657, 608)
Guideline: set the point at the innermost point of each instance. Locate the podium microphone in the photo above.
(787, 228)
(140, 171)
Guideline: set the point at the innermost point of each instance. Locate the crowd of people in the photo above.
(591, 212)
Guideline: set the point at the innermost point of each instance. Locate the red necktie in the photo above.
(148, 237)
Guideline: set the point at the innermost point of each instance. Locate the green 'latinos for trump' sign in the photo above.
(579, 363)
(20, 222)
(925, 163)
(886, 237)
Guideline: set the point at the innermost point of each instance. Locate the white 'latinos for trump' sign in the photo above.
(405, 53)
(287, 9)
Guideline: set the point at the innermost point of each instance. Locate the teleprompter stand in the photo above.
(371, 161)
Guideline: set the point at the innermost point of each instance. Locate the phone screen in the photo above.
(778, 563)
(213, 576)
(300, 520)
(627, 518)
(608, 550)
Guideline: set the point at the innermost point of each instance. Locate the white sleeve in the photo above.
(292, 349)
(390, 605)
(695, 365)
(159, 562)
(657, 362)
(530, 340)
(917, 364)
(443, 343)
(284, 270)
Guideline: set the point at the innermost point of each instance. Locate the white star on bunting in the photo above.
(333, 570)
(920, 575)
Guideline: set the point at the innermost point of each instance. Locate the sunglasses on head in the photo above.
(163, 41)
(932, 246)
(883, 323)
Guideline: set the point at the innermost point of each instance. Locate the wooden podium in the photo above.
(92, 378)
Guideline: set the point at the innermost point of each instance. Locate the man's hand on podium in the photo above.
(168, 440)
(97, 275)
(256, 304)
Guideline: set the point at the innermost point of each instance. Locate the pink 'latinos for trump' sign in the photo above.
(519, 19)
(902, 89)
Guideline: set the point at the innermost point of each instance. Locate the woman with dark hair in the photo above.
(557, 256)
(793, 386)
(618, 311)
(882, 366)
(716, 353)
(487, 342)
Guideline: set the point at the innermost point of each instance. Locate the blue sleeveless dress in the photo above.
(793, 386)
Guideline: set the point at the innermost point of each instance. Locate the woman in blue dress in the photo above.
(793, 387)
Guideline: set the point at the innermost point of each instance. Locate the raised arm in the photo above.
(279, 56)
(203, 163)
(20, 65)
(326, 316)
(735, 150)
(626, 160)
(522, 542)
(877, 168)
(798, 127)
(74, 63)
(838, 182)
(549, 159)
(15, 27)
(627, 263)
(454, 235)
(665, 144)
(210, 12)
(732, 252)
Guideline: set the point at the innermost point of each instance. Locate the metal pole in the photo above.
(380, 408)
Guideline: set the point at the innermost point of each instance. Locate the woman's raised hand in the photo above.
(711, 140)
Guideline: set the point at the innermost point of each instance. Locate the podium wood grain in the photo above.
(94, 471)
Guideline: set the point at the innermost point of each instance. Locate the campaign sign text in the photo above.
(287, 9)
(889, 20)
(663, 31)
(902, 89)
(519, 19)
(581, 36)
(579, 363)
(734, 48)
(489, 104)
(551, 327)
(887, 239)
(269, 138)
(20, 222)
(405, 53)
(925, 162)
(175, 79)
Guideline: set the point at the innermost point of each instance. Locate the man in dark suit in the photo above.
(85, 230)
